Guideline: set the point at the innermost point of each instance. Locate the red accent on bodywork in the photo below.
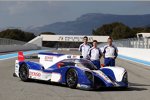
(59, 65)
(35, 74)
(21, 56)
(102, 65)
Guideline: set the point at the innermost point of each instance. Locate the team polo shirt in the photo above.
(84, 48)
(110, 51)
(94, 53)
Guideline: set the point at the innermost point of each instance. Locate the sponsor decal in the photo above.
(68, 56)
(74, 56)
(48, 58)
(17, 65)
(47, 77)
(35, 74)
(83, 86)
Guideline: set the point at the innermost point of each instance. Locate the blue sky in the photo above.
(37, 13)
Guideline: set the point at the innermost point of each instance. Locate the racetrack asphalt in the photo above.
(12, 88)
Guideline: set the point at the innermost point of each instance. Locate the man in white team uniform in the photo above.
(84, 48)
(95, 54)
(110, 53)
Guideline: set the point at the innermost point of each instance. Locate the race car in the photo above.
(71, 70)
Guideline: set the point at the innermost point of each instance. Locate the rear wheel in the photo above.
(72, 78)
(24, 72)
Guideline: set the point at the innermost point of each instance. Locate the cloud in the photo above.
(37, 13)
(17, 6)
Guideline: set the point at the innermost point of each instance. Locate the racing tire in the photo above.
(72, 78)
(24, 72)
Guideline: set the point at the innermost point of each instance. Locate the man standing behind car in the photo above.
(110, 53)
(84, 48)
(95, 54)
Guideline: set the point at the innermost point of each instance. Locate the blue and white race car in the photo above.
(71, 70)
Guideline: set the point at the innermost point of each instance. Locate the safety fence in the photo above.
(7, 45)
(4, 41)
(131, 43)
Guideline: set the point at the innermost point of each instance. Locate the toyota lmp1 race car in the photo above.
(71, 70)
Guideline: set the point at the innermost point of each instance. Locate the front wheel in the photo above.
(24, 72)
(72, 78)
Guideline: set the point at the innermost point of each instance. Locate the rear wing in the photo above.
(21, 56)
(50, 59)
(65, 56)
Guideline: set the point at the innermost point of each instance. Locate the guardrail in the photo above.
(4, 41)
(139, 55)
(133, 49)
(131, 43)
(7, 45)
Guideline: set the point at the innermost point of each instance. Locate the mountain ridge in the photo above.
(87, 22)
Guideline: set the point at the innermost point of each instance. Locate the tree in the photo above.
(48, 33)
(116, 30)
(103, 30)
(121, 32)
(17, 34)
(141, 29)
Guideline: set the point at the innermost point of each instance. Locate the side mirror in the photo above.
(60, 64)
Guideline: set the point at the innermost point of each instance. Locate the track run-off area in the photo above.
(12, 88)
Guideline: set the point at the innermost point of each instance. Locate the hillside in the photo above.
(86, 23)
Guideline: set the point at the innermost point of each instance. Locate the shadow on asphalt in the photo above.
(121, 89)
(138, 84)
(132, 86)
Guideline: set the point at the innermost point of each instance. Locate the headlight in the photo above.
(89, 75)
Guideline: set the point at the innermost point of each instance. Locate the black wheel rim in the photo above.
(71, 78)
(23, 72)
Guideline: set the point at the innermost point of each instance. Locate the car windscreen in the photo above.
(80, 63)
(86, 64)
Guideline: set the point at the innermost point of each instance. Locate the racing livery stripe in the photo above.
(134, 60)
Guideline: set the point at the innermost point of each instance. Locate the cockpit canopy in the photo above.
(79, 63)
